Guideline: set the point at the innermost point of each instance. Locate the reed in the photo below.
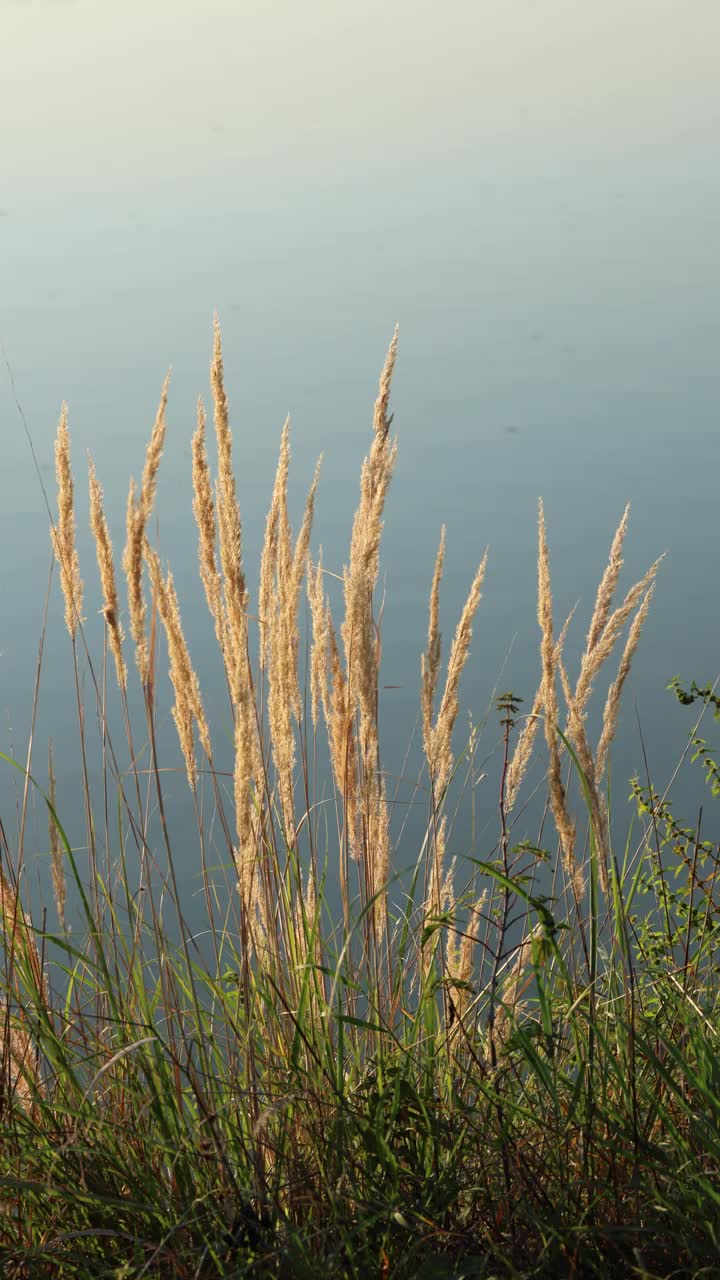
(471, 1035)
(564, 821)
(63, 533)
(106, 567)
(139, 510)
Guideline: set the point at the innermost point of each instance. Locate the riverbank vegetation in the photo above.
(500, 1063)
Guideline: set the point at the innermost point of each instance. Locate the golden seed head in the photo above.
(106, 566)
(63, 534)
(139, 509)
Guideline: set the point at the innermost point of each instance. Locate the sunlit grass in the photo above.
(500, 1062)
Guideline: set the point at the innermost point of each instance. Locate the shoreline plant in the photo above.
(504, 1063)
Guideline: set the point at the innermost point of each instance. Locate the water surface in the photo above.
(530, 191)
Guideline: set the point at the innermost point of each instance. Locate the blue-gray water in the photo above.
(530, 191)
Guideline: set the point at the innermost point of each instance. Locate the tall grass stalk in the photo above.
(487, 1049)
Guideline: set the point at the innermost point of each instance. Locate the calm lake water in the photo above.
(531, 191)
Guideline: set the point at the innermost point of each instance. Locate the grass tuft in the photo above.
(500, 1063)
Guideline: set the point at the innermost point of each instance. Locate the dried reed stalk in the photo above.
(248, 766)
(18, 1069)
(106, 566)
(608, 583)
(307, 942)
(301, 565)
(204, 509)
(280, 716)
(247, 851)
(595, 658)
(342, 740)
(358, 631)
(612, 705)
(430, 661)
(16, 928)
(439, 893)
(602, 635)
(320, 651)
(438, 739)
(63, 534)
(522, 754)
(188, 706)
(439, 890)
(357, 692)
(461, 958)
(583, 751)
(558, 799)
(605, 629)
(378, 847)
(139, 509)
(269, 557)
(57, 863)
(469, 942)
(449, 904)
(282, 571)
(511, 987)
(230, 530)
(18, 1059)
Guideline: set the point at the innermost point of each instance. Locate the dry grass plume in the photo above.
(63, 534)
